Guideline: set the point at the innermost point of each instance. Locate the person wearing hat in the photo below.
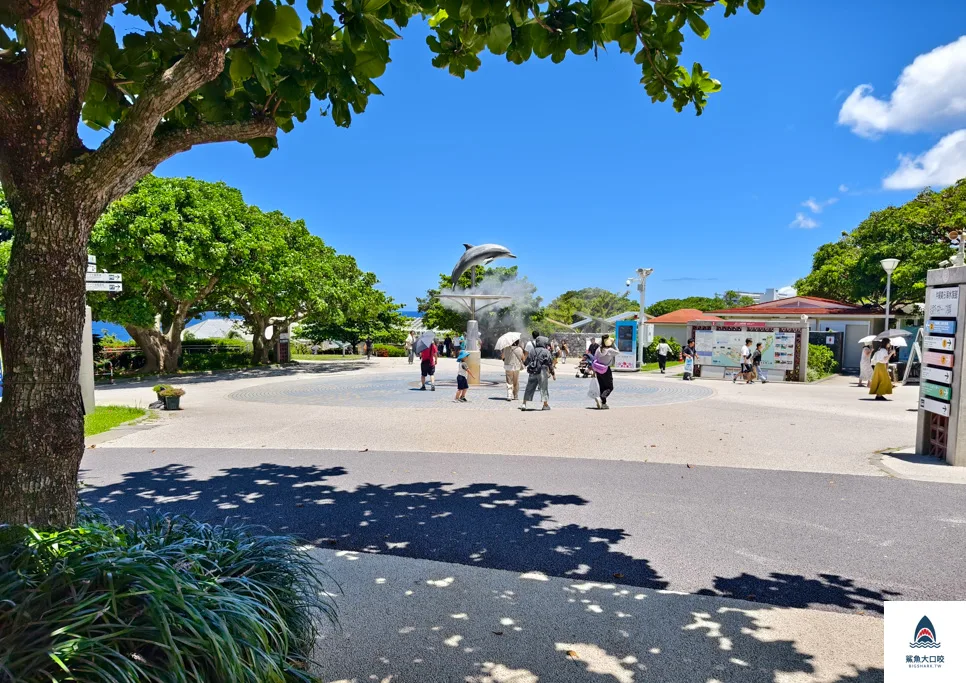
(462, 377)
(603, 362)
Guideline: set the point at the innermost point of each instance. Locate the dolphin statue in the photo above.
(478, 256)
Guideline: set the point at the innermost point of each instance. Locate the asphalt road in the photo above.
(836, 542)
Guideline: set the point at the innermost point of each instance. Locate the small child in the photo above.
(462, 374)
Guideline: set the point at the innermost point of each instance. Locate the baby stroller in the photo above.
(584, 368)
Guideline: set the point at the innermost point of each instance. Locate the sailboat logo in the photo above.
(925, 634)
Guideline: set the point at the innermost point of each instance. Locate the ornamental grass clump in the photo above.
(166, 600)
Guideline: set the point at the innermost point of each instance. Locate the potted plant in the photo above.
(158, 388)
(171, 397)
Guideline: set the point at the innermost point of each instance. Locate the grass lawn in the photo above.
(324, 356)
(654, 366)
(109, 417)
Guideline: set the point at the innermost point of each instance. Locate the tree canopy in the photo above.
(849, 269)
(730, 299)
(593, 301)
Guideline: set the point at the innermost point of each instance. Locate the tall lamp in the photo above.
(888, 265)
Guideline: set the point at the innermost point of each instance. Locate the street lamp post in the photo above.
(889, 265)
(641, 277)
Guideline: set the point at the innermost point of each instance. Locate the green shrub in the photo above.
(821, 360)
(219, 360)
(217, 344)
(166, 600)
(387, 351)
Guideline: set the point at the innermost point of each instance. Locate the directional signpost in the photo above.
(939, 430)
(101, 282)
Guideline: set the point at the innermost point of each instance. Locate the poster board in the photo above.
(722, 348)
(626, 333)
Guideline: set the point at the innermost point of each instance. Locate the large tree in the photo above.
(356, 309)
(179, 244)
(294, 277)
(916, 233)
(175, 74)
(573, 305)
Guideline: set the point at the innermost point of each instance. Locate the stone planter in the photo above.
(171, 402)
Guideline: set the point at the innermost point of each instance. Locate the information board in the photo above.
(942, 302)
(626, 333)
(722, 348)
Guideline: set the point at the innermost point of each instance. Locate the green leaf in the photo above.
(499, 39)
(370, 6)
(612, 12)
(756, 6)
(287, 25)
(96, 92)
(369, 64)
(241, 66)
(315, 6)
(264, 17)
(97, 115)
(262, 147)
(438, 18)
(628, 42)
(699, 25)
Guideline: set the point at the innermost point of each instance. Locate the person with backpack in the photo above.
(663, 349)
(427, 367)
(539, 371)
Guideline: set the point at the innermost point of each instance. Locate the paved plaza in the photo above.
(699, 531)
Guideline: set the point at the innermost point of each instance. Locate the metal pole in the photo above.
(640, 325)
(888, 297)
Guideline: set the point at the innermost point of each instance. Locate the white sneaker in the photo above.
(597, 401)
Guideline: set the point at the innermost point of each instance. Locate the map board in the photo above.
(722, 348)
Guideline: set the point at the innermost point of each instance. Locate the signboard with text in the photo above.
(105, 287)
(103, 277)
(626, 333)
(942, 302)
(936, 375)
(937, 391)
(938, 343)
(933, 406)
(938, 358)
(941, 327)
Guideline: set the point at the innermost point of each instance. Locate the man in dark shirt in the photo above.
(689, 354)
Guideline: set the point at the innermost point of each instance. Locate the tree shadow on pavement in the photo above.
(485, 524)
(488, 525)
(294, 370)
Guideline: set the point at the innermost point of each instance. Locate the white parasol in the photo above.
(507, 340)
(867, 340)
(899, 342)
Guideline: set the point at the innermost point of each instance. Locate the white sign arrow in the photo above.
(91, 267)
(104, 287)
(104, 277)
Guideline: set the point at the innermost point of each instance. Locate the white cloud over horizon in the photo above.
(803, 222)
(942, 165)
(930, 95)
(843, 188)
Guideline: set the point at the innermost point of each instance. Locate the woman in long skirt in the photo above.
(604, 360)
(865, 365)
(881, 383)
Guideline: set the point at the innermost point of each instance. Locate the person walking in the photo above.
(759, 371)
(603, 362)
(881, 383)
(746, 366)
(564, 350)
(865, 365)
(592, 347)
(462, 377)
(690, 357)
(512, 365)
(427, 367)
(368, 348)
(411, 346)
(539, 371)
(462, 343)
(528, 349)
(447, 345)
(663, 349)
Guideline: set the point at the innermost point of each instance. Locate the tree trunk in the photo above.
(41, 415)
(161, 350)
(259, 349)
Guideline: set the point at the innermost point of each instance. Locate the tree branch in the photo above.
(205, 59)
(168, 144)
(45, 79)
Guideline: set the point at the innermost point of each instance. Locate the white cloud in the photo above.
(942, 165)
(817, 206)
(930, 95)
(843, 188)
(804, 222)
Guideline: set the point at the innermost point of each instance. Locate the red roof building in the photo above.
(682, 317)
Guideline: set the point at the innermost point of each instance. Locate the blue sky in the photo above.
(574, 169)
